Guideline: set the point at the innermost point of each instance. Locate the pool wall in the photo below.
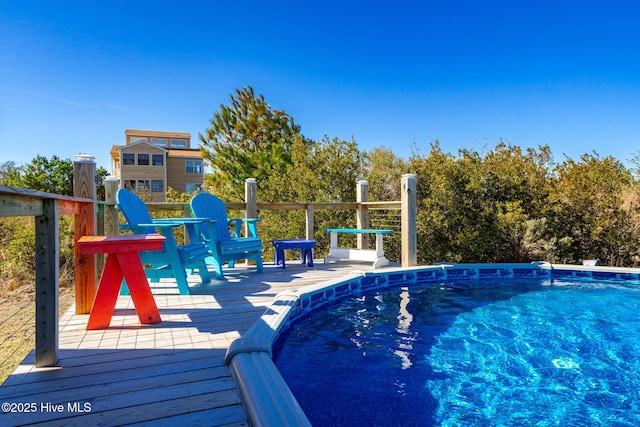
(267, 398)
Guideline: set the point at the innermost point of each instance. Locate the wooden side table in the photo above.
(123, 262)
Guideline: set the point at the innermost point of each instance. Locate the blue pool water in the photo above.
(483, 353)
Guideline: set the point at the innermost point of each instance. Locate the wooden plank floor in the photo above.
(171, 373)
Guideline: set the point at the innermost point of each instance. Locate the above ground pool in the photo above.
(551, 351)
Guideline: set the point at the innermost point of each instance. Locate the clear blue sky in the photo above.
(75, 74)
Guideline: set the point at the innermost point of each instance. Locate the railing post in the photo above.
(408, 219)
(47, 284)
(84, 185)
(250, 197)
(111, 214)
(362, 195)
(308, 213)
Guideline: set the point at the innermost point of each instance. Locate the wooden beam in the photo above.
(15, 205)
(111, 214)
(250, 196)
(362, 214)
(408, 218)
(308, 214)
(303, 205)
(164, 206)
(47, 284)
(84, 185)
(25, 202)
(383, 205)
(68, 207)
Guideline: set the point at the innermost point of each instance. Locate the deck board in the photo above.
(170, 373)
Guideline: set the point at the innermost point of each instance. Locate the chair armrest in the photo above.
(189, 220)
(251, 226)
(166, 229)
(192, 225)
(151, 225)
(244, 219)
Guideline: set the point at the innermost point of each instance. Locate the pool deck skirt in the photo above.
(169, 373)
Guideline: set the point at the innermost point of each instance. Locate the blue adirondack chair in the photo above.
(174, 259)
(225, 245)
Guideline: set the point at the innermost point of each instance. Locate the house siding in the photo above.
(177, 176)
(172, 174)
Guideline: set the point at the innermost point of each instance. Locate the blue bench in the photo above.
(354, 254)
(305, 247)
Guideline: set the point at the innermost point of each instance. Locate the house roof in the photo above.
(121, 147)
(183, 152)
(157, 133)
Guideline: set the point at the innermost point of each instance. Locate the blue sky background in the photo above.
(75, 74)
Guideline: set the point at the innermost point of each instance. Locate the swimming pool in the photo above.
(266, 396)
(516, 351)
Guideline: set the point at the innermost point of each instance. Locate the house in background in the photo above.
(150, 162)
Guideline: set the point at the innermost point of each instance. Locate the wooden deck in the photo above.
(171, 373)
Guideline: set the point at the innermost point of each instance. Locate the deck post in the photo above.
(362, 195)
(408, 219)
(84, 185)
(47, 284)
(111, 214)
(308, 214)
(251, 207)
(250, 197)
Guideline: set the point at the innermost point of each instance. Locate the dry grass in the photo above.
(17, 286)
(17, 323)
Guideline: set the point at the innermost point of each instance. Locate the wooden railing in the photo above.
(407, 206)
(46, 208)
(101, 218)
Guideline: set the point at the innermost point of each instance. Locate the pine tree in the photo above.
(247, 139)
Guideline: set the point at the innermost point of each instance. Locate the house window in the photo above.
(160, 142)
(157, 160)
(143, 185)
(179, 143)
(130, 184)
(194, 166)
(193, 188)
(157, 186)
(143, 159)
(128, 158)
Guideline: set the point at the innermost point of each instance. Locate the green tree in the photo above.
(631, 205)
(337, 166)
(54, 175)
(587, 206)
(515, 189)
(383, 171)
(10, 174)
(439, 205)
(324, 171)
(49, 175)
(475, 208)
(247, 139)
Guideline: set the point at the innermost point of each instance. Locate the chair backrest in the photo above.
(133, 209)
(205, 205)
